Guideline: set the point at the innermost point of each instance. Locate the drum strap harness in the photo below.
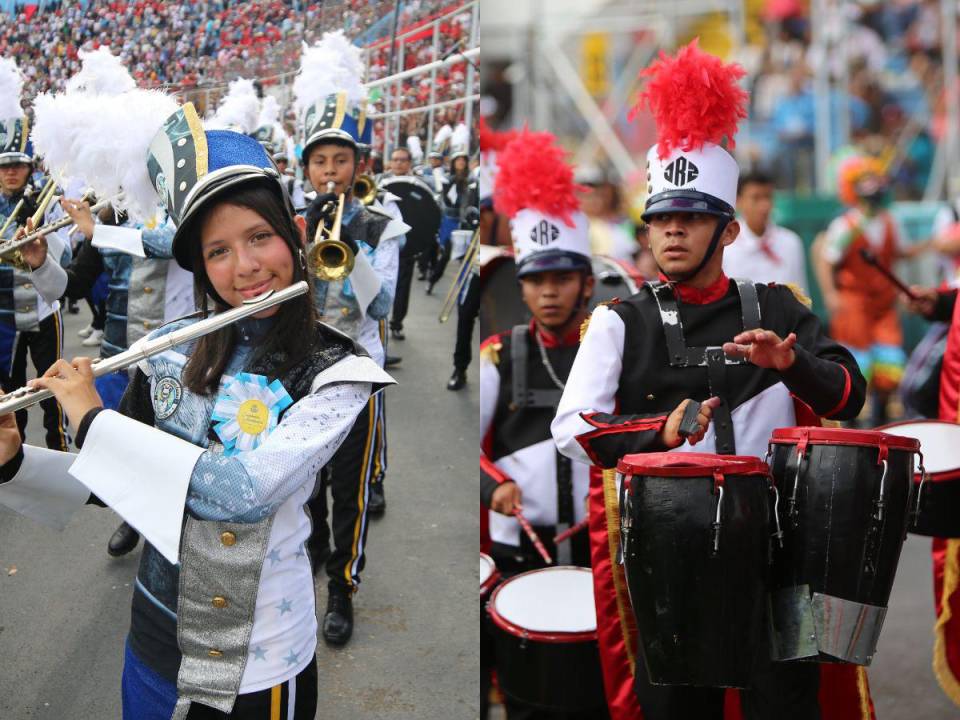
(711, 357)
(526, 397)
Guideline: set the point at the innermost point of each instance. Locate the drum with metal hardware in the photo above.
(489, 578)
(845, 501)
(614, 279)
(420, 210)
(938, 492)
(695, 533)
(545, 630)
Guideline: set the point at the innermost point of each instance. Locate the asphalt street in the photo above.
(65, 604)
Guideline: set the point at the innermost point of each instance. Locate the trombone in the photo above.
(329, 258)
(462, 278)
(28, 193)
(12, 247)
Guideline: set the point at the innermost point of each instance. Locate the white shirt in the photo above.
(785, 265)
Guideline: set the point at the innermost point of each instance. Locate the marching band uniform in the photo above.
(355, 306)
(224, 619)
(641, 357)
(30, 318)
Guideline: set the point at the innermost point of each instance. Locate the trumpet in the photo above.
(329, 258)
(27, 396)
(365, 189)
(12, 247)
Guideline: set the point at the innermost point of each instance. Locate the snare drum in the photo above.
(844, 505)
(489, 577)
(695, 536)
(938, 498)
(545, 628)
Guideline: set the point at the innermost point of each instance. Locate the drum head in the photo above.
(938, 442)
(420, 211)
(550, 601)
(487, 568)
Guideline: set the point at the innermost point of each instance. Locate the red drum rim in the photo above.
(843, 436)
(492, 578)
(684, 464)
(558, 636)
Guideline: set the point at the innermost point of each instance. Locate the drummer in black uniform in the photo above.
(745, 351)
(523, 371)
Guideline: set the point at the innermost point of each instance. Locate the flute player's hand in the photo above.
(72, 384)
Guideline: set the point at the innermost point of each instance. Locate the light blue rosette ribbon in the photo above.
(247, 410)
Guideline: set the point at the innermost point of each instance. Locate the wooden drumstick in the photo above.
(870, 258)
(571, 531)
(532, 534)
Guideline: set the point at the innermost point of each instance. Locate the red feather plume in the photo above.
(694, 98)
(534, 174)
(493, 140)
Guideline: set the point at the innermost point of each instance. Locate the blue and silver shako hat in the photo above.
(15, 145)
(190, 166)
(336, 119)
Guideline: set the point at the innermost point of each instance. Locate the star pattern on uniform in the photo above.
(301, 551)
(292, 658)
(259, 653)
(274, 557)
(285, 606)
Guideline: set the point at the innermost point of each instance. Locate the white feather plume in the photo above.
(269, 111)
(239, 110)
(460, 138)
(11, 86)
(101, 73)
(103, 139)
(333, 64)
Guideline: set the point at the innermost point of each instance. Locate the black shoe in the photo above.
(338, 620)
(392, 360)
(457, 380)
(377, 503)
(73, 309)
(123, 540)
(430, 287)
(397, 334)
(422, 276)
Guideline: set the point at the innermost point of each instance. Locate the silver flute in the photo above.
(27, 396)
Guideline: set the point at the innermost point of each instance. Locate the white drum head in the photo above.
(939, 443)
(549, 601)
(487, 568)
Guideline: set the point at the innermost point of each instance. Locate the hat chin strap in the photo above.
(711, 249)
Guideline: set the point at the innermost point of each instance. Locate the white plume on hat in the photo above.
(333, 64)
(269, 111)
(460, 138)
(11, 86)
(103, 139)
(239, 110)
(101, 73)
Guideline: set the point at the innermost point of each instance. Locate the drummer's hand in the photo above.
(670, 435)
(10, 440)
(79, 212)
(72, 384)
(34, 253)
(763, 348)
(507, 498)
(925, 303)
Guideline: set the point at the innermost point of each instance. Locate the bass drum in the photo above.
(501, 306)
(420, 211)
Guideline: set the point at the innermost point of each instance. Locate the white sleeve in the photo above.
(797, 260)
(42, 489)
(593, 382)
(50, 280)
(489, 390)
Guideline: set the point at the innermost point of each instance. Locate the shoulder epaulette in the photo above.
(797, 293)
(586, 321)
(490, 349)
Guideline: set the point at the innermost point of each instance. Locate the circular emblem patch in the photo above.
(166, 397)
(253, 416)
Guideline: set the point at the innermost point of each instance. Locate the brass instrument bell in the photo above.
(365, 189)
(329, 258)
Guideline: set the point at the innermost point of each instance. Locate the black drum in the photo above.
(420, 211)
(844, 505)
(695, 537)
(489, 577)
(545, 628)
(937, 509)
(501, 306)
